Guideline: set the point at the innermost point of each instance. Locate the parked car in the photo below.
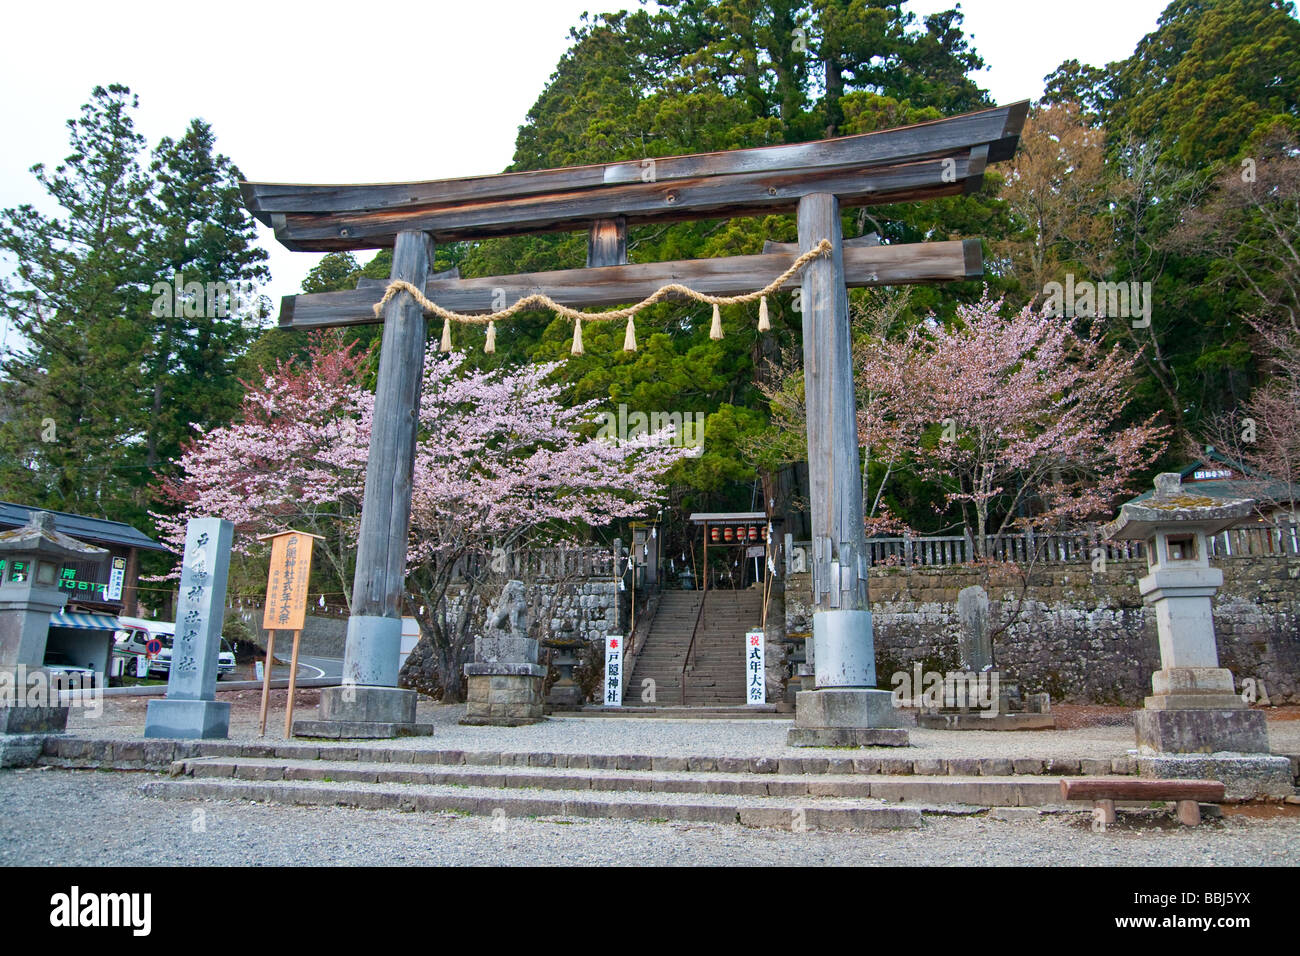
(132, 640)
(63, 670)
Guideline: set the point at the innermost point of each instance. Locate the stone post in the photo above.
(191, 708)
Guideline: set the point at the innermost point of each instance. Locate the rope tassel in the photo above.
(490, 345)
(715, 331)
(763, 324)
(577, 337)
(629, 337)
(446, 336)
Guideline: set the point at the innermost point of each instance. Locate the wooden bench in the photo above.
(1104, 791)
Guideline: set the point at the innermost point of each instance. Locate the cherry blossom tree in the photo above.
(294, 458)
(504, 464)
(501, 463)
(1018, 419)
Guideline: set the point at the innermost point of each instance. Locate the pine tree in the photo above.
(72, 437)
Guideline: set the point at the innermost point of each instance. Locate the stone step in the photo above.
(930, 791)
(137, 754)
(489, 801)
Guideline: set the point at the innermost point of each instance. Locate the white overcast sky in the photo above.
(380, 91)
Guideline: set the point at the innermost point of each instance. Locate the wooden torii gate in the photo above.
(815, 180)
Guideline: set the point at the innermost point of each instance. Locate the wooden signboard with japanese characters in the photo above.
(286, 588)
(286, 608)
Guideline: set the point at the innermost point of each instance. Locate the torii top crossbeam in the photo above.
(938, 158)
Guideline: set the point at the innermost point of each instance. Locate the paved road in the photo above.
(319, 666)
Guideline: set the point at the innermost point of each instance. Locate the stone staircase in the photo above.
(856, 791)
(716, 676)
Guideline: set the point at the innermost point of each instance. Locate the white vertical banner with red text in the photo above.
(755, 668)
(614, 670)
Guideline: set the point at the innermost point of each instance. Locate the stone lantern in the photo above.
(1194, 708)
(30, 559)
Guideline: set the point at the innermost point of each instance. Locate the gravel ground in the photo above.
(124, 717)
(90, 818)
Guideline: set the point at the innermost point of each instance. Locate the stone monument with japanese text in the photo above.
(191, 709)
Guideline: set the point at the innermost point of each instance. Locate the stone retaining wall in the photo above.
(1080, 636)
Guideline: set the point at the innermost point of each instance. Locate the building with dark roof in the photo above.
(87, 584)
(1215, 475)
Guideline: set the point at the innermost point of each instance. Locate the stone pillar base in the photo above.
(33, 720)
(846, 717)
(187, 719)
(1186, 731)
(1193, 688)
(1244, 776)
(364, 712)
(504, 695)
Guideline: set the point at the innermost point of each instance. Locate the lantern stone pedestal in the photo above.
(1194, 720)
(565, 694)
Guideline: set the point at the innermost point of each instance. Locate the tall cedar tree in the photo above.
(71, 438)
(201, 231)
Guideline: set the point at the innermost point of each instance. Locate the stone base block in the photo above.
(20, 750)
(846, 707)
(187, 719)
(1201, 731)
(1195, 702)
(564, 696)
(977, 721)
(847, 737)
(1193, 680)
(363, 703)
(504, 699)
(1244, 776)
(359, 730)
(846, 717)
(33, 720)
(364, 712)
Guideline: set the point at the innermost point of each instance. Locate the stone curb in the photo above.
(137, 754)
(786, 818)
(976, 791)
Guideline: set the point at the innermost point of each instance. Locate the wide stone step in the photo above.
(979, 792)
(490, 801)
(110, 753)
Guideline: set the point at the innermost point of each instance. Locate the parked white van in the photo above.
(131, 642)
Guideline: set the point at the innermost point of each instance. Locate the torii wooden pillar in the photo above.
(374, 639)
(944, 157)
